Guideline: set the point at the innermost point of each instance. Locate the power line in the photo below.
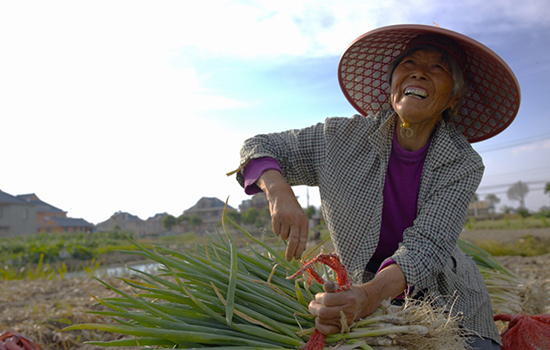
(484, 192)
(515, 143)
(529, 171)
(512, 184)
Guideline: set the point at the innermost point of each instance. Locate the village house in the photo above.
(17, 217)
(209, 210)
(52, 219)
(69, 225)
(153, 225)
(478, 210)
(123, 222)
(258, 201)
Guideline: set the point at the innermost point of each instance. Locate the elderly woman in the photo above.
(395, 182)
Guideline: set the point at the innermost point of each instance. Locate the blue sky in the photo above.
(142, 106)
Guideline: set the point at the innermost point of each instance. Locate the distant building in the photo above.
(209, 210)
(478, 210)
(124, 222)
(44, 211)
(153, 225)
(17, 217)
(69, 225)
(258, 201)
(52, 219)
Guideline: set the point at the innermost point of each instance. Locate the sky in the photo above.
(142, 106)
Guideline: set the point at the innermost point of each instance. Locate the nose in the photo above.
(420, 72)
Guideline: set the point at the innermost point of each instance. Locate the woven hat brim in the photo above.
(492, 102)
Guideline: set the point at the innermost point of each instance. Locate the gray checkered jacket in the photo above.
(347, 159)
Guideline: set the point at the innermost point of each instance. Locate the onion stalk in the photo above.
(216, 295)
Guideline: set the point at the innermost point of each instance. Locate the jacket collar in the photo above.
(381, 140)
(442, 150)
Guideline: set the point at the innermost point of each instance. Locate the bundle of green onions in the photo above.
(216, 296)
(506, 290)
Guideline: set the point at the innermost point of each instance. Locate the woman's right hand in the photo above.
(288, 219)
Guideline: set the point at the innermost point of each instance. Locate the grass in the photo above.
(525, 246)
(43, 256)
(510, 222)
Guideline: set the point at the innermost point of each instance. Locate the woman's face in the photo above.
(422, 87)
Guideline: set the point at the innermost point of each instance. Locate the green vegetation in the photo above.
(51, 248)
(511, 222)
(44, 256)
(525, 246)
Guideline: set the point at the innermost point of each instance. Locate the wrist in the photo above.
(371, 300)
(272, 182)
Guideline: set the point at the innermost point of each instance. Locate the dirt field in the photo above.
(531, 268)
(39, 309)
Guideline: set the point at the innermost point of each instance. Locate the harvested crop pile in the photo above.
(39, 308)
(216, 296)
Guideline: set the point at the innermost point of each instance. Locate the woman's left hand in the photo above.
(326, 306)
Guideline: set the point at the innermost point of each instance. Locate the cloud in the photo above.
(524, 149)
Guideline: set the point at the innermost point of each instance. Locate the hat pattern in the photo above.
(490, 106)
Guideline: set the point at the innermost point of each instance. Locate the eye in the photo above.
(440, 67)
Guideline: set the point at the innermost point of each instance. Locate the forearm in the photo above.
(389, 283)
(272, 181)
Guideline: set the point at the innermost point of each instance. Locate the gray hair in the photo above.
(460, 88)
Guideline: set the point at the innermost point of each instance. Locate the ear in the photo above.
(454, 101)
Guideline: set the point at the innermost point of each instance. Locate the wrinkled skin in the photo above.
(288, 219)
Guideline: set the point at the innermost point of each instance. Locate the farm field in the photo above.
(39, 308)
(535, 267)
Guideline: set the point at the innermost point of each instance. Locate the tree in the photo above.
(492, 199)
(475, 199)
(234, 215)
(547, 189)
(310, 211)
(249, 217)
(507, 210)
(183, 219)
(195, 221)
(517, 192)
(168, 221)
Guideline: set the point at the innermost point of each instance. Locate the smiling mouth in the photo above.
(417, 93)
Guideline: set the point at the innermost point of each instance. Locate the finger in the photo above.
(276, 226)
(323, 311)
(302, 242)
(330, 286)
(326, 328)
(293, 240)
(285, 230)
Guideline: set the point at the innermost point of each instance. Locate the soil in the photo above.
(39, 309)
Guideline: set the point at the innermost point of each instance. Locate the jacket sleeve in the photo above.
(300, 153)
(430, 242)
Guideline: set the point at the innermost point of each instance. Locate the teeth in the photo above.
(417, 92)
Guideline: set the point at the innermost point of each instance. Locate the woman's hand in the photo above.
(288, 218)
(354, 302)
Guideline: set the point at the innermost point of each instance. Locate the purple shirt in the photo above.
(254, 169)
(400, 197)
